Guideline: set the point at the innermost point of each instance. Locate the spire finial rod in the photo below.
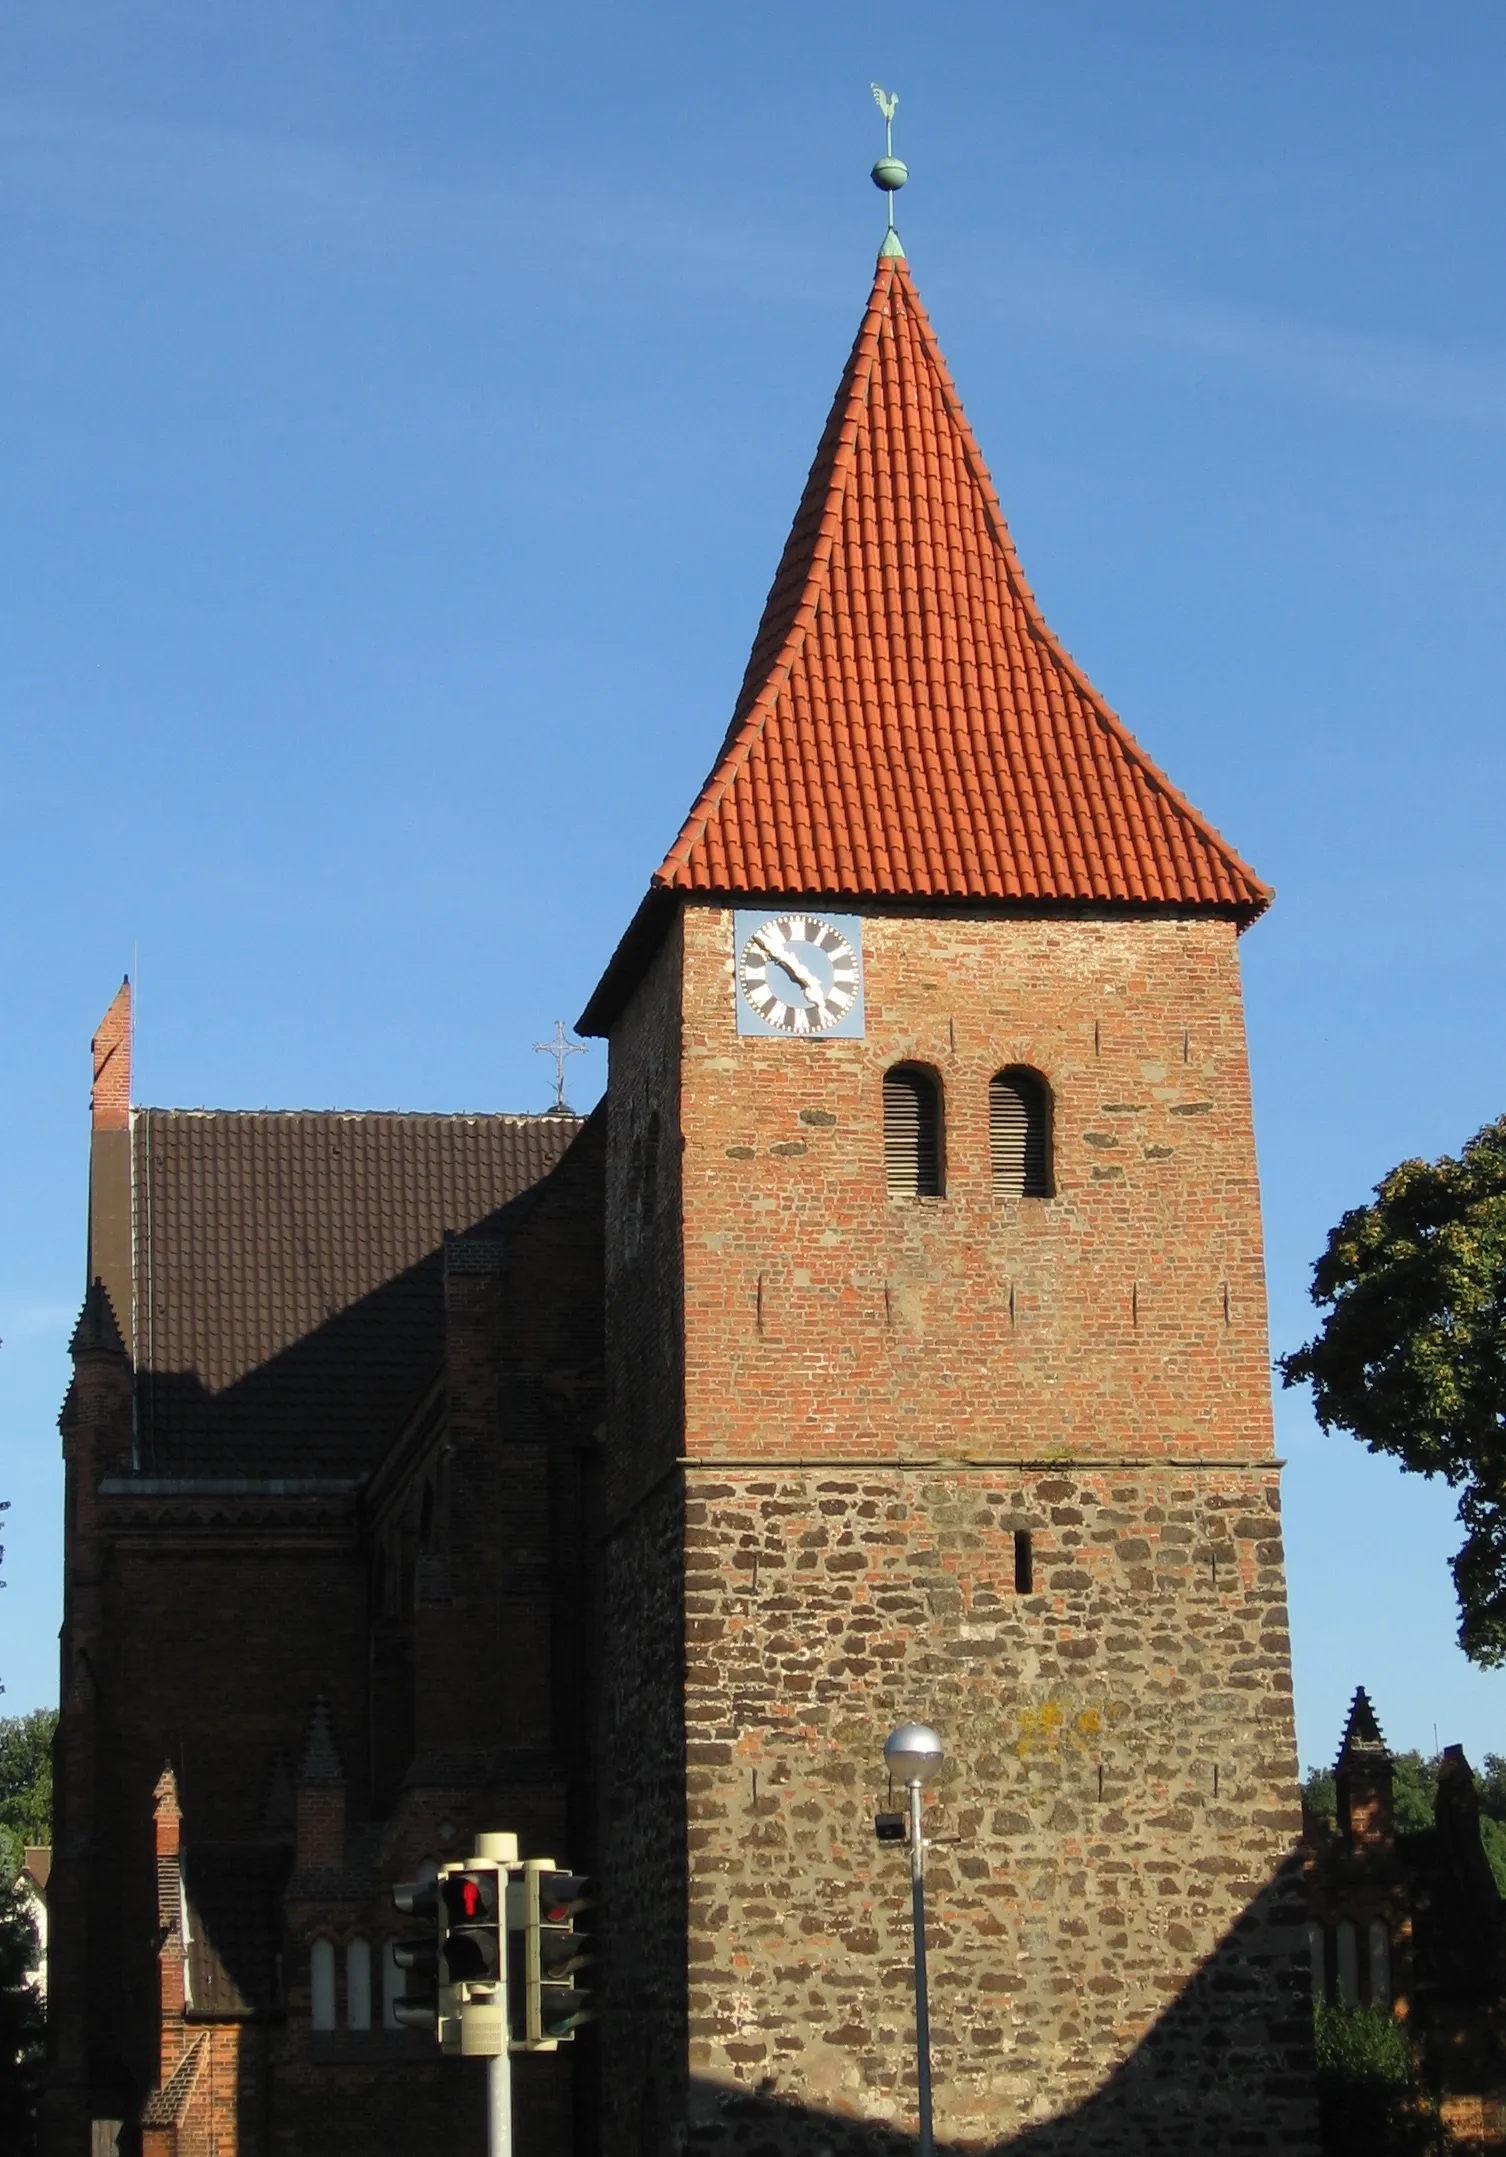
(889, 173)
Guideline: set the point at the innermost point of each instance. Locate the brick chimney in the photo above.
(172, 1976)
(110, 1161)
(1363, 1775)
(320, 1828)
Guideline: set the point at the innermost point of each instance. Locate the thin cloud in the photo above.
(238, 186)
(1345, 367)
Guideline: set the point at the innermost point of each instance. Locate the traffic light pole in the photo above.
(499, 2102)
(504, 1849)
(922, 2002)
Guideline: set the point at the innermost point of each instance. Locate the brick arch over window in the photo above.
(913, 1162)
(1019, 1133)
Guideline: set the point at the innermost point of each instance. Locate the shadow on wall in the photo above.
(331, 1401)
(1228, 2067)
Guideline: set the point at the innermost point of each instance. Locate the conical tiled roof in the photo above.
(908, 726)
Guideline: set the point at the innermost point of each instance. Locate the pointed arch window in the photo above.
(1380, 1963)
(394, 1985)
(912, 1132)
(1348, 1963)
(322, 1984)
(1019, 1133)
(358, 1985)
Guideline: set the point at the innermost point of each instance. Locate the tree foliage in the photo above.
(1411, 1357)
(25, 1783)
(21, 2024)
(1370, 2093)
(1414, 1789)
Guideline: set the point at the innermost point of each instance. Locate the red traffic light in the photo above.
(562, 1895)
(470, 1898)
(417, 1898)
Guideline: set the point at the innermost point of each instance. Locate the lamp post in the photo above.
(913, 1753)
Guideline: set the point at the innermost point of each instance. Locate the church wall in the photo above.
(221, 1647)
(209, 1663)
(1119, 1793)
(641, 1574)
(1126, 1312)
(645, 1284)
(879, 1395)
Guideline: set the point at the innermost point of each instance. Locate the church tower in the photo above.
(939, 1382)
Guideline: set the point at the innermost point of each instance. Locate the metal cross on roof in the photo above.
(559, 1048)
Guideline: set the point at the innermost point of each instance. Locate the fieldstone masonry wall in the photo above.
(1119, 1793)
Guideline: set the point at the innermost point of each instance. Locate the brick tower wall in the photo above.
(878, 1396)
(642, 1595)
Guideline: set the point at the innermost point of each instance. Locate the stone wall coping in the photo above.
(805, 1463)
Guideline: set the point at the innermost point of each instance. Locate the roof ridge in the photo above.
(390, 1115)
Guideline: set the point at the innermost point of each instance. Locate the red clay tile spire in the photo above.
(908, 726)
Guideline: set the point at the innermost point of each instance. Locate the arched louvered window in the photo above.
(1019, 1133)
(912, 1132)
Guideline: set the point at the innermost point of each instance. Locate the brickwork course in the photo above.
(624, 1484)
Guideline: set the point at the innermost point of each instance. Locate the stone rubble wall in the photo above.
(1119, 1797)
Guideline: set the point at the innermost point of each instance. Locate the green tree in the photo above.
(25, 1805)
(21, 2025)
(25, 1783)
(1414, 1791)
(1370, 2094)
(1411, 1356)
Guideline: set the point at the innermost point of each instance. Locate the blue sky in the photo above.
(401, 410)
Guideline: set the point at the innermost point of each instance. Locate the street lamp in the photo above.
(913, 1753)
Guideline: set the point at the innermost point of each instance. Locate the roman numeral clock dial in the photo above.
(798, 973)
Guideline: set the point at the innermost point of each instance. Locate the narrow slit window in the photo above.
(322, 1984)
(394, 1985)
(1019, 1133)
(358, 1985)
(1380, 1963)
(1349, 1963)
(1317, 1950)
(912, 1132)
(1024, 1562)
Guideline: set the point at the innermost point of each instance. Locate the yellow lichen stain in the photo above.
(1053, 1723)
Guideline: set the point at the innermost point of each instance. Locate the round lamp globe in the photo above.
(913, 1753)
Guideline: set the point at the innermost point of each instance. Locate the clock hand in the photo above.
(782, 955)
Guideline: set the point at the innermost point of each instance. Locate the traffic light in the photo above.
(552, 1954)
(470, 1897)
(420, 2006)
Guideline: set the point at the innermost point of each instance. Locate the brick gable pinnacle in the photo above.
(908, 726)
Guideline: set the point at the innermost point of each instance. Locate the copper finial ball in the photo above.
(890, 173)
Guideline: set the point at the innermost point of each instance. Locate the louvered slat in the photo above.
(1019, 1134)
(912, 1134)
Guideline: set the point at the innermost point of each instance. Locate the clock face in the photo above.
(798, 973)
